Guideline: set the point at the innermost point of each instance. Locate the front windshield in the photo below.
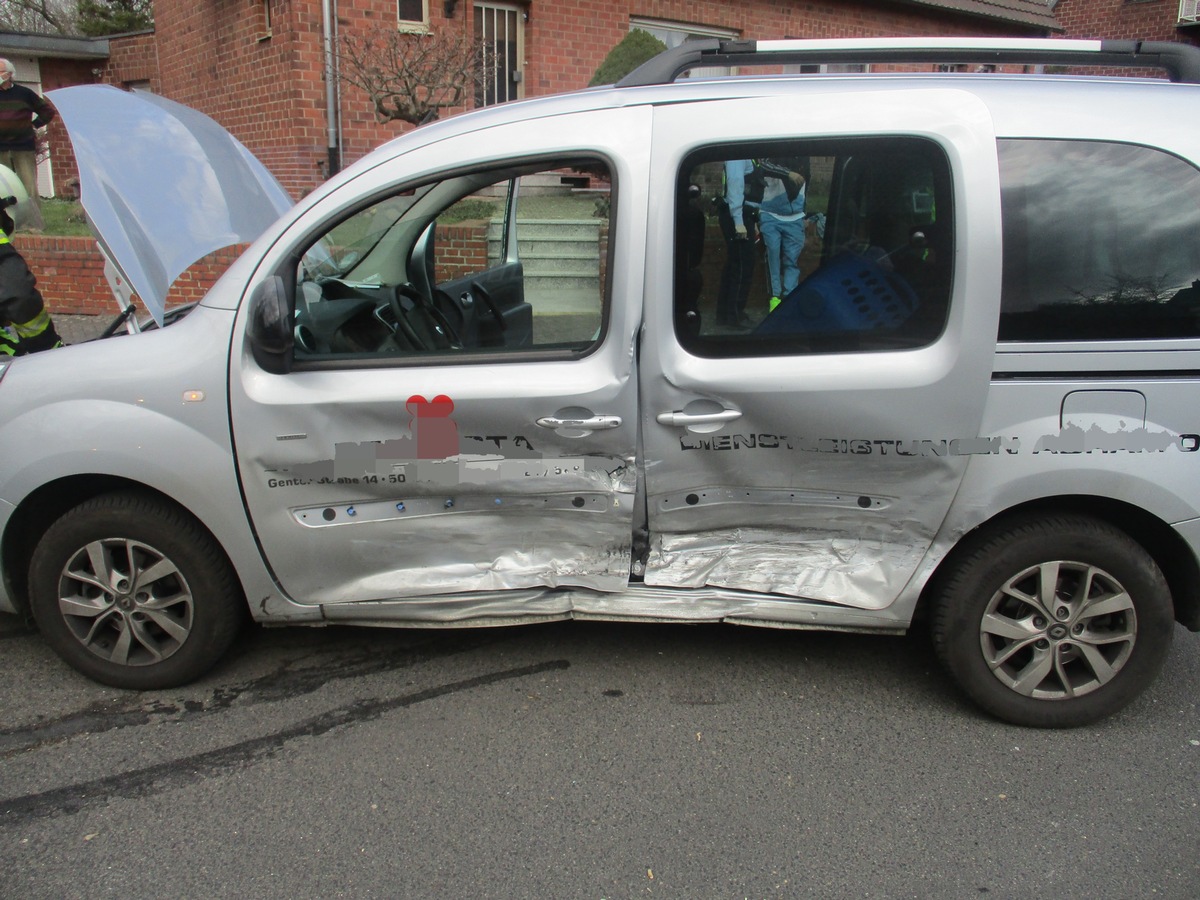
(344, 252)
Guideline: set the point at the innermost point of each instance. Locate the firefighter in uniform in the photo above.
(25, 326)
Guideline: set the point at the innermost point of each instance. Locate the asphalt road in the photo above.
(583, 760)
(76, 329)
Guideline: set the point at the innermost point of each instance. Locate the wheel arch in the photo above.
(1168, 549)
(44, 506)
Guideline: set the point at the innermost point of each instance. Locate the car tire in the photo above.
(1053, 622)
(135, 593)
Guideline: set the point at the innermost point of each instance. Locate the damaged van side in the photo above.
(523, 365)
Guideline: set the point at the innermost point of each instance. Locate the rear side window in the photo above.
(813, 246)
(1101, 242)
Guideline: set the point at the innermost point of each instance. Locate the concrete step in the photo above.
(561, 259)
(549, 229)
(549, 265)
(569, 283)
(566, 249)
(555, 299)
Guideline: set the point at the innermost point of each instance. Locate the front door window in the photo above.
(504, 262)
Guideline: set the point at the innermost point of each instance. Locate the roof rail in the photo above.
(1181, 61)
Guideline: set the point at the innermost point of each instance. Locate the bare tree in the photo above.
(411, 77)
(1126, 287)
(38, 16)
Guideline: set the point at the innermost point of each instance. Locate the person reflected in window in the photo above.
(781, 222)
(738, 218)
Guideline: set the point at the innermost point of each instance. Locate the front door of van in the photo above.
(811, 448)
(460, 417)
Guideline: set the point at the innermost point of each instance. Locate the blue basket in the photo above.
(850, 293)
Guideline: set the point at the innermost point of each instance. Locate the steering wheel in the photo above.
(435, 331)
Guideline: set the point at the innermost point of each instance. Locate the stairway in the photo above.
(561, 260)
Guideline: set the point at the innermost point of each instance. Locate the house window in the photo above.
(264, 20)
(412, 12)
(674, 33)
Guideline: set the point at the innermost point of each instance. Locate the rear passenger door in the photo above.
(812, 450)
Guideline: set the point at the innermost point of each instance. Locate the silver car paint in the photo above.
(150, 409)
(708, 567)
(809, 518)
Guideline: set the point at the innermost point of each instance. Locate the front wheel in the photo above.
(134, 593)
(1053, 622)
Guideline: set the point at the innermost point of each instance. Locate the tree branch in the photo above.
(411, 77)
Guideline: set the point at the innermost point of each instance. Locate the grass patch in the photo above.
(64, 218)
(469, 209)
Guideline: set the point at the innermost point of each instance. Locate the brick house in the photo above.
(258, 66)
(1147, 20)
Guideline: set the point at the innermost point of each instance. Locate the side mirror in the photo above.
(270, 327)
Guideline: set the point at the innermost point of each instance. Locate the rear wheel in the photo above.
(134, 593)
(1053, 622)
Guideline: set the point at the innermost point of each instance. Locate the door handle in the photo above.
(587, 424)
(687, 420)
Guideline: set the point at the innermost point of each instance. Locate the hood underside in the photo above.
(162, 184)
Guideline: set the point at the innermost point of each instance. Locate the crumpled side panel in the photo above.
(468, 523)
(638, 603)
(860, 571)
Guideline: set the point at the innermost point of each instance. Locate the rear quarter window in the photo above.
(1101, 242)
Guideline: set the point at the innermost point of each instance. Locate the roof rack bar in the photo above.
(1180, 61)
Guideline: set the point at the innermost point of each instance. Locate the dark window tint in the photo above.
(1100, 242)
(828, 246)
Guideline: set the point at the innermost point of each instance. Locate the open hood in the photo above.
(162, 184)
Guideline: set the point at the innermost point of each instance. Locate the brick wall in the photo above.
(133, 61)
(1150, 20)
(266, 90)
(461, 250)
(567, 42)
(70, 274)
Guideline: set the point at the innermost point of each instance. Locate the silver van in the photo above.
(821, 349)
